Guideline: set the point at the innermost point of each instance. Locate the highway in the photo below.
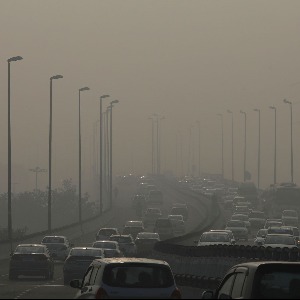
(38, 288)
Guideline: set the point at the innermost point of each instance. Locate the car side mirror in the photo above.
(207, 295)
(75, 283)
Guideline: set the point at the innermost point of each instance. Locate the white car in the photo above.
(111, 248)
(238, 229)
(242, 217)
(260, 237)
(58, 246)
(178, 224)
(280, 241)
(232, 238)
(127, 278)
(214, 238)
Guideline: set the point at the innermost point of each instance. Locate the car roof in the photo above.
(260, 263)
(118, 260)
(32, 245)
(84, 248)
(54, 236)
(110, 228)
(214, 232)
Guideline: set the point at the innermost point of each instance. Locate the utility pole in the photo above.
(36, 171)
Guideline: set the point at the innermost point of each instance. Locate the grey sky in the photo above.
(186, 60)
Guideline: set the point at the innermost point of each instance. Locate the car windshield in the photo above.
(278, 282)
(29, 249)
(176, 217)
(134, 224)
(280, 230)
(105, 245)
(138, 276)
(282, 239)
(240, 217)
(257, 215)
(274, 223)
(86, 252)
(107, 232)
(214, 237)
(121, 239)
(54, 240)
(235, 223)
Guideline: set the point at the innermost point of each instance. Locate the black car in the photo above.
(31, 260)
(78, 261)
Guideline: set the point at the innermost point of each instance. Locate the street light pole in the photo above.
(101, 154)
(245, 143)
(50, 157)
(159, 119)
(221, 115)
(152, 119)
(292, 164)
(275, 146)
(232, 164)
(10, 237)
(79, 132)
(110, 167)
(199, 149)
(258, 158)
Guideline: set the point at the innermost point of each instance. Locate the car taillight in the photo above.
(101, 294)
(176, 294)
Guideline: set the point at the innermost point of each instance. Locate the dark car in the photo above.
(259, 280)
(104, 233)
(126, 244)
(145, 242)
(78, 261)
(31, 260)
(180, 210)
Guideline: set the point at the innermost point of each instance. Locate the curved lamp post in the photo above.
(232, 165)
(245, 143)
(50, 157)
(101, 154)
(12, 59)
(79, 190)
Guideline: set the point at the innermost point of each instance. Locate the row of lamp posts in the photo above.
(10, 230)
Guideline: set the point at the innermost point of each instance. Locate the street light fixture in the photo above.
(258, 155)
(275, 146)
(12, 59)
(245, 143)
(232, 165)
(221, 116)
(79, 190)
(101, 154)
(50, 157)
(110, 166)
(37, 170)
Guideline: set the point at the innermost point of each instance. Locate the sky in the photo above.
(186, 61)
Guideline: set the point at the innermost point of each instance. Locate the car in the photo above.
(280, 241)
(126, 244)
(138, 200)
(59, 246)
(238, 229)
(180, 210)
(242, 217)
(295, 233)
(178, 224)
(241, 209)
(259, 280)
(31, 260)
(78, 261)
(260, 237)
(164, 227)
(111, 248)
(290, 218)
(151, 215)
(273, 222)
(155, 196)
(280, 230)
(127, 278)
(105, 233)
(214, 238)
(257, 219)
(133, 228)
(231, 236)
(145, 242)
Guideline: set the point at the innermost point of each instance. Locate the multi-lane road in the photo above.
(38, 288)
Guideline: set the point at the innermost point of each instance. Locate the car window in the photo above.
(86, 279)
(94, 275)
(225, 289)
(29, 249)
(238, 285)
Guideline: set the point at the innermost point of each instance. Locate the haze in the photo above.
(185, 60)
